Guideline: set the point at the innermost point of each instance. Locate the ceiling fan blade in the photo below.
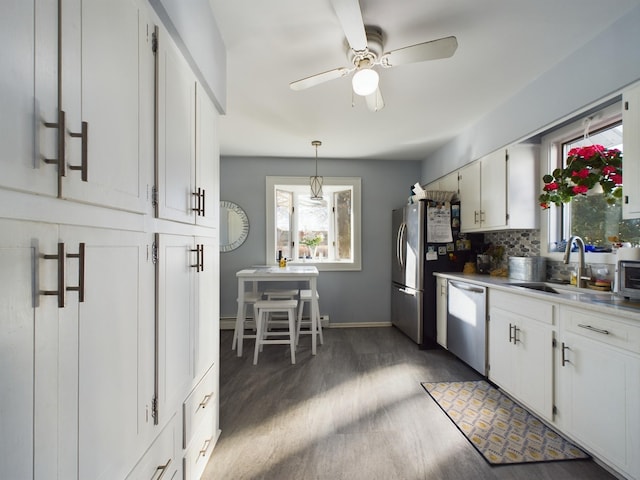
(350, 16)
(433, 50)
(319, 78)
(375, 101)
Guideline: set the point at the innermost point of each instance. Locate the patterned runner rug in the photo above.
(500, 429)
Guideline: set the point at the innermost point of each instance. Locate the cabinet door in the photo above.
(100, 39)
(469, 185)
(28, 350)
(29, 82)
(449, 183)
(600, 400)
(105, 361)
(501, 351)
(533, 347)
(207, 161)
(493, 190)
(175, 170)
(177, 260)
(631, 122)
(207, 324)
(441, 311)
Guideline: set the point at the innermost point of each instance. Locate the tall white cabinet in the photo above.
(109, 307)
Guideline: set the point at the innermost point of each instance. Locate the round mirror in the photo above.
(234, 226)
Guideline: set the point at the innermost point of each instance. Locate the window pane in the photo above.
(284, 207)
(343, 225)
(313, 228)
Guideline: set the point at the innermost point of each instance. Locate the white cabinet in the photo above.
(521, 349)
(28, 349)
(188, 157)
(448, 183)
(493, 195)
(441, 311)
(187, 275)
(599, 386)
(106, 352)
(631, 122)
(29, 95)
(102, 109)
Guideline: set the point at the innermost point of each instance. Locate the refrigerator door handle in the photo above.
(402, 230)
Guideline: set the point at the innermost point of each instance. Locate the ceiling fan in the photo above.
(365, 51)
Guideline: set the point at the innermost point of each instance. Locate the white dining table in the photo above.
(296, 273)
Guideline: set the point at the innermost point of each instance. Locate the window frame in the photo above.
(551, 158)
(270, 206)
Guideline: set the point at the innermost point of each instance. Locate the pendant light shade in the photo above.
(315, 181)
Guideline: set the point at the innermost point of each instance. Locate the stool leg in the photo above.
(319, 323)
(292, 327)
(258, 337)
(299, 326)
(235, 332)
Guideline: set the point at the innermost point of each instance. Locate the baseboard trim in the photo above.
(229, 323)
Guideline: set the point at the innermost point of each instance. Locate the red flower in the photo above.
(580, 189)
(608, 170)
(551, 186)
(616, 178)
(544, 205)
(584, 173)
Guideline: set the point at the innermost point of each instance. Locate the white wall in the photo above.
(594, 73)
(362, 296)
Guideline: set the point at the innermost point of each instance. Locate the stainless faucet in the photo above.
(581, 279)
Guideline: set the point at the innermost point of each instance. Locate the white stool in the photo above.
(263, 307)
(279, 294)
(305, 297)
(238, 333)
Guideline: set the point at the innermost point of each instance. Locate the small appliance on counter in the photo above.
(628, 283)
(624, 254)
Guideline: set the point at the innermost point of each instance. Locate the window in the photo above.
(323, 232)
(588, 216)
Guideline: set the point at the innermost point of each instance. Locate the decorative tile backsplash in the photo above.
(516, 243)
(526, 243)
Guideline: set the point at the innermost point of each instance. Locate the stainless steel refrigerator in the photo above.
(426, 239)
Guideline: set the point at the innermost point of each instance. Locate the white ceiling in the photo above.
(503, 45)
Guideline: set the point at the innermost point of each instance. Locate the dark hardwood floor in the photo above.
(354, 411)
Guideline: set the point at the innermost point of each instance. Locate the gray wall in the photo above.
(347, 297)
(593, 73)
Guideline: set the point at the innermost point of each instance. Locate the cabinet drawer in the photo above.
(197, 455)
(606, 330)
(524, 306)
(159, 461)
(198, 404)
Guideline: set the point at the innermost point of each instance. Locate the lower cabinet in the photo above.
(160, 461)
(599, 386)
(521, 349)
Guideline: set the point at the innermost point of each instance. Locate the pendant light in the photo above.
(316, 181)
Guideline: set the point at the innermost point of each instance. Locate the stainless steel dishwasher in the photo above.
(467, 323)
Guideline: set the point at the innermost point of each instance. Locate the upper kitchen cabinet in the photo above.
(107, 117)
(29, 83)
(448, 183)
(631, 140)
(188, 157)
(498, 192)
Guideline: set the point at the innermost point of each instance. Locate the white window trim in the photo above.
(549, 161)
(354, 182)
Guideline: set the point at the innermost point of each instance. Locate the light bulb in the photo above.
(365, 82)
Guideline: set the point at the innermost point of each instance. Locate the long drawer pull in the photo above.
(205, 447)
(564, 358)
(60, 292)
(511, 336)
(594, 329)
(80, 257)
(205, 400)
(83, 134)
(162, 469)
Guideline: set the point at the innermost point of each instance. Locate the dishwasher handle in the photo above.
(466, 286)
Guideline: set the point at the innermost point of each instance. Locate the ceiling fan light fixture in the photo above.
(315, 182)
(365, 82)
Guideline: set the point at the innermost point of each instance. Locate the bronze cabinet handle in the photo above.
(60, 292)
(80, 257)
(84, 135)
(163, 469)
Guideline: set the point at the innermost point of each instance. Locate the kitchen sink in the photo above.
(541, 287)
